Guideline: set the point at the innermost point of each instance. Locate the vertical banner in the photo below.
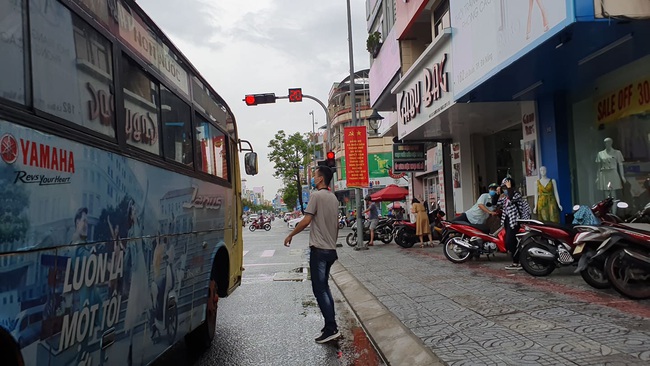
(356, 156)
(530, 146)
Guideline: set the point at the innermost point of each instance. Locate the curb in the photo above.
(395, 343)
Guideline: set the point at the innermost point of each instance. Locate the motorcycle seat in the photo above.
(568, 228)
(482, 227)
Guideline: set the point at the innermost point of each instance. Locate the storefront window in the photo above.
(12, 72)
(612, 140)
(72, 67)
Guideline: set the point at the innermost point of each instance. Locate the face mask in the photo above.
(505, 191)
(313, 183)
(493, 193)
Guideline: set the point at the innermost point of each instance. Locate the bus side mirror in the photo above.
(250, 163)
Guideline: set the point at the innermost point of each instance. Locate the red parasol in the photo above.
(390, 193)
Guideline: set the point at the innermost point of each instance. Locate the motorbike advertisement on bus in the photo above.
(105, 260)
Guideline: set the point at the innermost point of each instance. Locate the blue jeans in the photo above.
(320, 262)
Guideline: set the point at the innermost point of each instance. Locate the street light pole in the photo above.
(313, 137)
(353, 105)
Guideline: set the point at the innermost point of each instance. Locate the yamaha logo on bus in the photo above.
(37, 155)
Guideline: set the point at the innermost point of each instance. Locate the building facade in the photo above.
(505, 88)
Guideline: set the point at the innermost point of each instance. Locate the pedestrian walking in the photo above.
(515, 207)
(321, 213)
(422, 227)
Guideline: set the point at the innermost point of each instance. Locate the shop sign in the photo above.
(633, 98)
(409, 101)
(356, 156)
(409, 158)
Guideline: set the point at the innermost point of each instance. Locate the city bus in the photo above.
(120, 188)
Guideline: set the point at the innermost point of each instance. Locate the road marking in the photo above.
(268, 253)
(246, 252)
(265, 264)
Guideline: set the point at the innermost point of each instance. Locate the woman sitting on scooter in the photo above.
(482, 209)
(515, 207)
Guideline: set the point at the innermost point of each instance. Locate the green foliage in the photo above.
(14, 203)
(290, 195)
(255, 208)
(289, 153)
(373, 41)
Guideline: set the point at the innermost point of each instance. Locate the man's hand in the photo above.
(287, 241)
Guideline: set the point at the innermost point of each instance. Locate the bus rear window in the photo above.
(212, 151)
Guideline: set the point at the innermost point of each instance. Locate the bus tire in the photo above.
(9, 350)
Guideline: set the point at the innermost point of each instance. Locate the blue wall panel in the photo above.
(554, 146)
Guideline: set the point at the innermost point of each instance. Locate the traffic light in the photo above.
(255, 99)
(330, 160)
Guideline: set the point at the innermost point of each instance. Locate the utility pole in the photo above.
(313, 137)
(358, 192)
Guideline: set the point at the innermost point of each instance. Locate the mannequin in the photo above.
(610, 168)
(547, 199)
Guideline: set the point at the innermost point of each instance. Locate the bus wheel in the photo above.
(201, 338)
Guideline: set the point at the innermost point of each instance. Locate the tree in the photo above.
(289, 196)
(289, 154)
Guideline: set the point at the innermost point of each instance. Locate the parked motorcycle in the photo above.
(404, 234)
(383, 232)
(342, 222)
(545, 246)
(627, 260)
(260, 224)
(463, 240)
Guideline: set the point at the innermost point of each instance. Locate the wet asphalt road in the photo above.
(273, 318)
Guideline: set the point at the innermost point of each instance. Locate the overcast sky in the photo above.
(266, 46)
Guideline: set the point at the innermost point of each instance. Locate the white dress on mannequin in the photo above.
(610, 161)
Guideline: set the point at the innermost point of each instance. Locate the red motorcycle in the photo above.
(463, 241)
(545, 246)
(260, 224)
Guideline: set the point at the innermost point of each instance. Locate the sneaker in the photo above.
(514, 267)
(361, 248)
(327, 336)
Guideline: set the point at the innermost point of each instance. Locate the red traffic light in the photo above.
(330, 155)
(250, 100)
(295, 95)
(255, 99)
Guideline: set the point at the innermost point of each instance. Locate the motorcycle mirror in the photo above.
(576, 207)
(622, 205)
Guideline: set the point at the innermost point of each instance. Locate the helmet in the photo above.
(368, 198)
(493, 185)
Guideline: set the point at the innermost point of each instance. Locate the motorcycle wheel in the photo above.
(251, 228)
(386, 236)
(534, 266)
(456, 253)
(351, 239)
(405, 240)
(267, 227)
(341, 225)
(594, 275)
(619, 269)
(172, 323)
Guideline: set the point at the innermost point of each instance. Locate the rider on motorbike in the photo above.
(483, 208)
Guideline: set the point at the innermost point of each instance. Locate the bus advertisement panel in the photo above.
(107, 260)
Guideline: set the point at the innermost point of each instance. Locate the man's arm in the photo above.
(300, 227)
